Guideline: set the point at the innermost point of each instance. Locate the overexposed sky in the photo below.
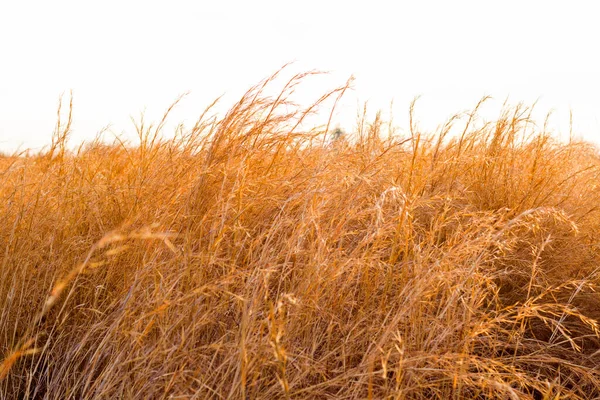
(123, 57)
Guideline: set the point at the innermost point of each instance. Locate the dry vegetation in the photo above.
(248, 258)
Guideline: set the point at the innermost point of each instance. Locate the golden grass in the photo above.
(249, 258)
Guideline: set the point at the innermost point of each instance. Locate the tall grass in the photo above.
(249, 257)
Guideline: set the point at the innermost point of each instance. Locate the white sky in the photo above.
(121, 57)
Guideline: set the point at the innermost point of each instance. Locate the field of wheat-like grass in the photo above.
(251, 258)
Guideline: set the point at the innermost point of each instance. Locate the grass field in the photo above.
(251, 258)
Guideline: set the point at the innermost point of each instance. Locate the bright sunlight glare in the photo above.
(121, 58)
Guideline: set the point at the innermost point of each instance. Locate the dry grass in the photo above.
(247, 258)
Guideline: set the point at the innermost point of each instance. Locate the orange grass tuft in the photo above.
(250, 257)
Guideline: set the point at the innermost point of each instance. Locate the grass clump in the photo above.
(248, 257)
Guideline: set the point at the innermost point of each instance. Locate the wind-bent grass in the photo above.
(248, 258)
